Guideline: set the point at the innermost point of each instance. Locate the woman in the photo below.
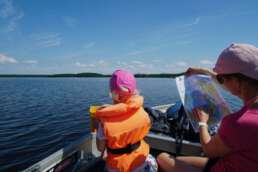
(235, 147)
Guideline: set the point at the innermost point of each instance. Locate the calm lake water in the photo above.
(38, 116)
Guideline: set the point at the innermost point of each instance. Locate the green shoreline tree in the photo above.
(93, 75)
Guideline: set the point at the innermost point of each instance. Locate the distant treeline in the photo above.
(95, 75)
(80, 75)
(161, 75)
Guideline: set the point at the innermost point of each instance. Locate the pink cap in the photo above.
(122, 82)
(238, 58)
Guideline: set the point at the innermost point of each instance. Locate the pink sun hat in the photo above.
(122, 82)
(238, 58)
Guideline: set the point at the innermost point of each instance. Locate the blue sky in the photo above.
(143, 36)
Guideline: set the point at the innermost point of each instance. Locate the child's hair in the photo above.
(123, 83)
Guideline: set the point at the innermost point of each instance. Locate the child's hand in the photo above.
(103, 106)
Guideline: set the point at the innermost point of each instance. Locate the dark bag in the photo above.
(158, 121)
(175, 123)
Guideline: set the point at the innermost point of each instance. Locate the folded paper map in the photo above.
(200, 91)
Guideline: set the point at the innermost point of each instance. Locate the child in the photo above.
(123, 127)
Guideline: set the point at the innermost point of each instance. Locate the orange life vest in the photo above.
(124, 124)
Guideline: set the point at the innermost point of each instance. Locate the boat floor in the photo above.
(99, 164)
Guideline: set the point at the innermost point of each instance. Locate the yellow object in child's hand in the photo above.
(93, 121)
(93, 110)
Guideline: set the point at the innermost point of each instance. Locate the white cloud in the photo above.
(140, 52)
(207, 62)
(12, 25)
(137, 66)
(10, 15)
(175, 67)
(183, 42)
(70, 21)
(156, 61)
(195, 22)
(72, 55)
(140, 64)
(6, 59)
(30, 61)
(120, 65)
(170, 65)
(232, 13)
(45, 40)
(6, 8)
(150, 66)
(102, 63)
(133, 53)
(181, 64)
(98, 64)
(89, 45)
(84, 65)
(137, 62)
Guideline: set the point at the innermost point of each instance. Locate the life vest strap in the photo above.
(126, 150)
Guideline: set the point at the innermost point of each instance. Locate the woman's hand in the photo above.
(200, 115)
(193, 70)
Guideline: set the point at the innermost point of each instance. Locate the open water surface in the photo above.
(38, 116)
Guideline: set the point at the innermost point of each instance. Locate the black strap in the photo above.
(128, 149)
(184, 125)
(179, 142)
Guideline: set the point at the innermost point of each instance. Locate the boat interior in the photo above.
(83, 156)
